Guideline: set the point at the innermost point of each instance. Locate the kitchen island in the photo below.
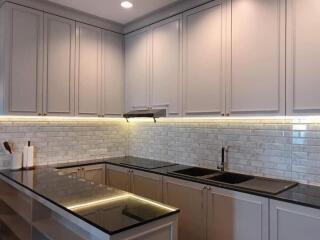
(47, 203)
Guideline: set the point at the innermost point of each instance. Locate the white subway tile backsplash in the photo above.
(288, 149)
(65, 141)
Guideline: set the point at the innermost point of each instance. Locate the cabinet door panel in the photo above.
(88, 71)
(147, 185)
(204, 59)
(237, 216)
(59, 66)
(166, 43)
(293, 222)
(189, 197)
(136, 58)
(74, 171)
(257, 79)
(24, 53)
(118, 177)
(113, 74)
(95, 173)
(303, 56)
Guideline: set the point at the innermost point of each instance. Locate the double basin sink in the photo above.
(259, 184)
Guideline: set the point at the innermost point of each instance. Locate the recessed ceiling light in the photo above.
(126, 4)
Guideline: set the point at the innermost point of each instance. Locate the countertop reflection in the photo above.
(111, 210)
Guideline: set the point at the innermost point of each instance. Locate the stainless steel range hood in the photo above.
(147, 113)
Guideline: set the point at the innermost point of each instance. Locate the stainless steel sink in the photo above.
(195, 172)
(253, 183)
(230, 178)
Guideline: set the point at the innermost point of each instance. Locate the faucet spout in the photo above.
(221, 166)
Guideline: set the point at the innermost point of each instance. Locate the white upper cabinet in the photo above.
(303, 57)
(204, 30)
(88, 70)
(256, 80)
(112, 74)
(22, 60)
(137, 72)
(59, 62)
(51, 65)
(166, 65)
(153, 67)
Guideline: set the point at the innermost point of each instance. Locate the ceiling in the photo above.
(111, 9)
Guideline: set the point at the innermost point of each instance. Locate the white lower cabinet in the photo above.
(190, 198)
(146, 185)
(293, 222)
(215, 213)
(118, 177)
(94, 173)
(211, 213)
(141, 183)
(234, 215)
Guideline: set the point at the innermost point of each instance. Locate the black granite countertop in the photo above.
(301, 194)
(79, 197)
(121, 210)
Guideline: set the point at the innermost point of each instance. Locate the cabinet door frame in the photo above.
(118, 169)
(263, 202)
(153, 176)
(47, 18)
(130, 106)
(291, 108)
(277, 206)
(3, 71)
(74, 171)
(77, 67)
(281, 108)
(211, 112)
(192, 185)
(8, 9)
(105, 74)
(101, 167)
(166, 105)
